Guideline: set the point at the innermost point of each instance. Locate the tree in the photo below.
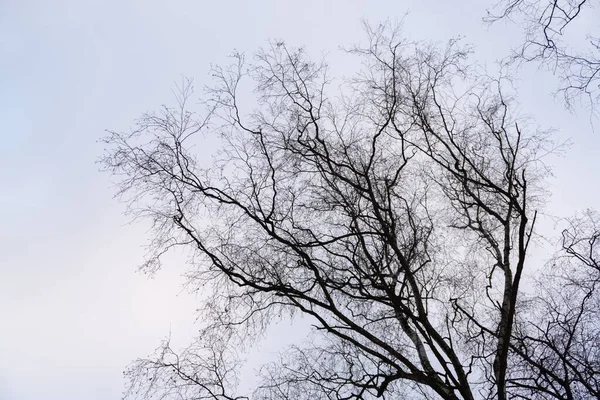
(558, 345)
(545, 24)
(395, 214)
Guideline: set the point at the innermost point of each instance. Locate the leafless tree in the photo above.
(559, 344)
(546, 24)
(395, 214)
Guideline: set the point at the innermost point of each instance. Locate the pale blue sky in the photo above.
(73, 311)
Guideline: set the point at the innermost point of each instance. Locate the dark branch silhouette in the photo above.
(545, 24)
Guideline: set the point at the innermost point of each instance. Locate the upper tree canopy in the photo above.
(395, 213)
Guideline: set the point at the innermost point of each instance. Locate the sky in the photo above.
(73, 310)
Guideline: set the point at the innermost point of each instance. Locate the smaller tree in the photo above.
(545, 24)
(559, 343)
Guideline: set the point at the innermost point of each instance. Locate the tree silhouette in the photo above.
(395, 214)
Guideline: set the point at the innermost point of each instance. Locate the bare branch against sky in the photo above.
(391, 218)
(554, 36)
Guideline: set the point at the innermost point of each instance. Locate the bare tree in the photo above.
(395, 214)
(545, 24)
(558, 344)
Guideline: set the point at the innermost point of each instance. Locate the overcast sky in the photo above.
(73, 310)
